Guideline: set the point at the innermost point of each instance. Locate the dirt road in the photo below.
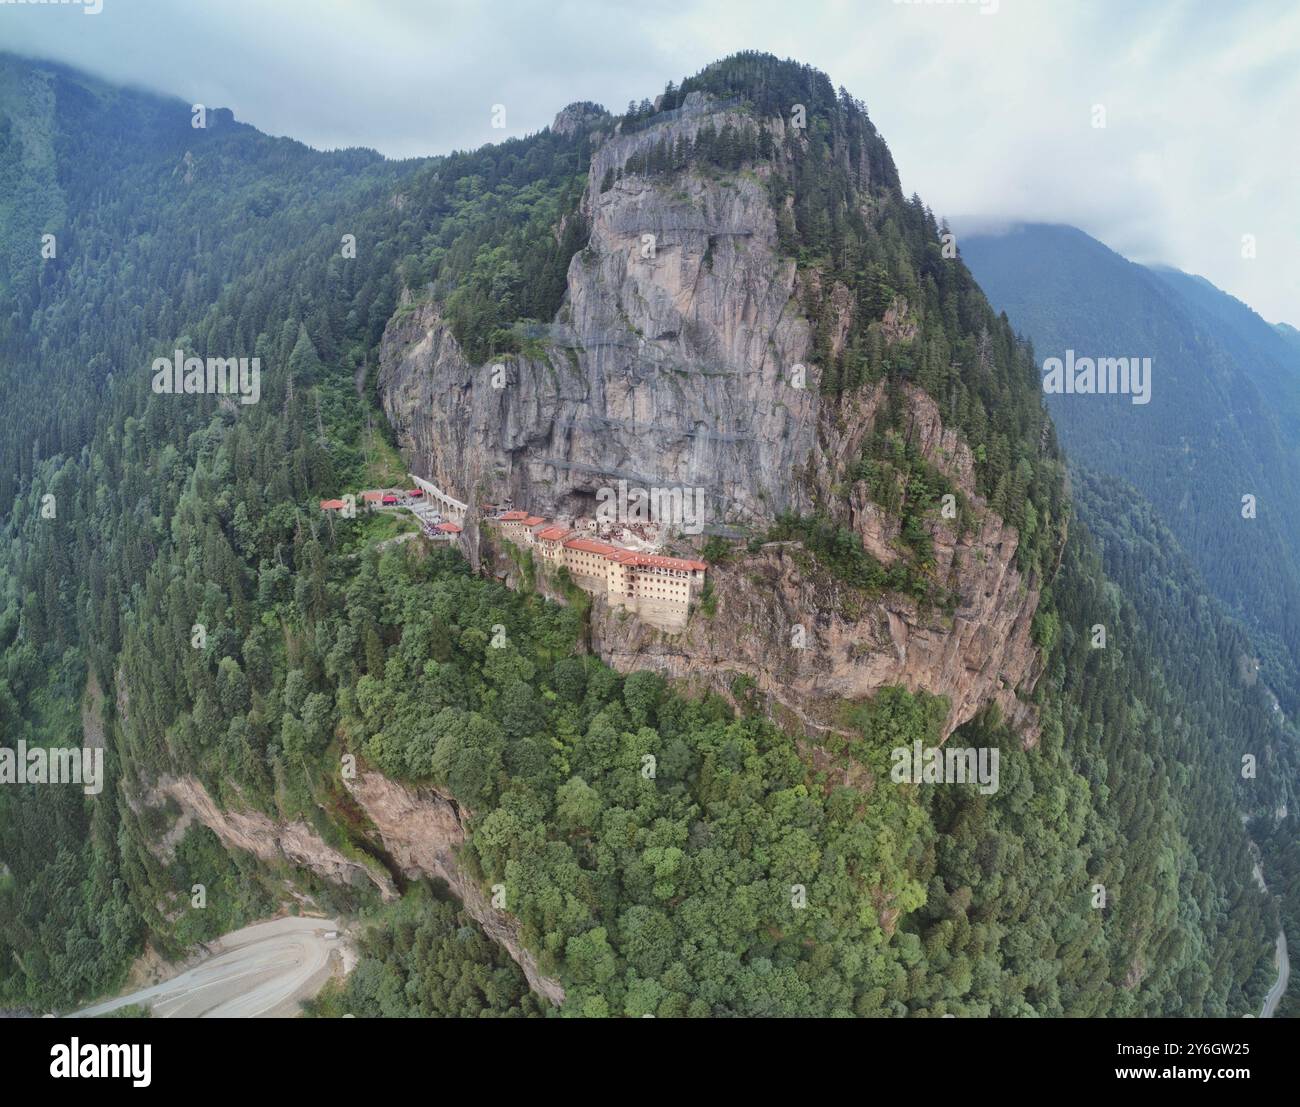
(1283, 978)
(1276, 992)
(262, 971)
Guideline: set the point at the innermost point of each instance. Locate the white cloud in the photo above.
(985, 114)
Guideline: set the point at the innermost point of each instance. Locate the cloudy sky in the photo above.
(988, 112)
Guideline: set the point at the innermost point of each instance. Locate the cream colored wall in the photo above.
(621, 582)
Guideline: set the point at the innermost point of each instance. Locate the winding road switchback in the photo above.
(262, 971)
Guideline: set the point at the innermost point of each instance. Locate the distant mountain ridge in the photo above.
(1223, 423)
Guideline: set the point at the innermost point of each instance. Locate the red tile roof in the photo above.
(557, 532)
(448, 528)
(332, 505)
(588, 545)
(372, 497)
(654, 561)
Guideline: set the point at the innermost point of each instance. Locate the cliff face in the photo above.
(680, 369)
(809, 641)
(421, 830)
(662, 370)
(254, 832)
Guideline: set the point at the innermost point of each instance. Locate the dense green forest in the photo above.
(1212, 676)
(424, 958)
(744, 876)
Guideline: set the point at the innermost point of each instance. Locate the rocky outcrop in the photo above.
(578, 116)
(809, 641)
(672, 362)
(422, 830)
(254, 832)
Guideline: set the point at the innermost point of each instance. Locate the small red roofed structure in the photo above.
(550, 540)
(528, 530)
(448, 528)
(332, 505)
(512, 524)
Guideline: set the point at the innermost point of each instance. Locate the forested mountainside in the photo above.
(1212, 673)
(762, 868)
(1263, 351)
(1223, 421)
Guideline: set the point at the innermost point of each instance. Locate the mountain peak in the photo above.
(577, 116)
